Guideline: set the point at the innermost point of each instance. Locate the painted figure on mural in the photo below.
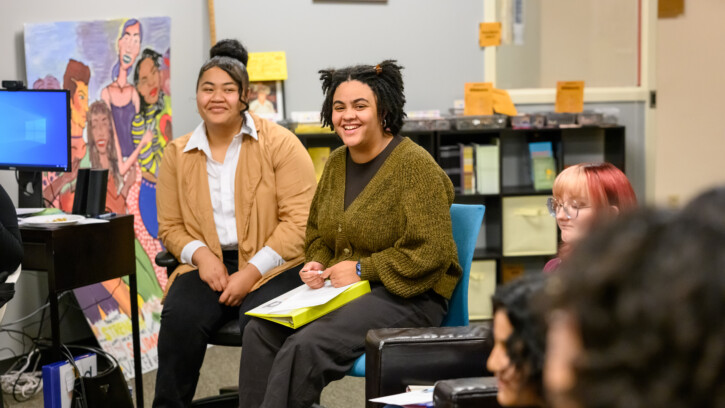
(153, 121)
(59, 190)
(121, 96)
(103, 155)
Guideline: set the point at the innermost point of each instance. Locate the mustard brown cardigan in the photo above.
(398, 228)
(273, 187)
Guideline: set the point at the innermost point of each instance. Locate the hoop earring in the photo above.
(385, 122)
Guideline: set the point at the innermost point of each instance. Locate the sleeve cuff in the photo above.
(266, 259)
(189, 250)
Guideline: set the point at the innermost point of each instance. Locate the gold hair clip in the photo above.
(378, 69)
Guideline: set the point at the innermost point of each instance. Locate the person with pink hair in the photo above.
(584, 194)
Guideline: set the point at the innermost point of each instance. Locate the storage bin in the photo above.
(528, 229)
(481, 285)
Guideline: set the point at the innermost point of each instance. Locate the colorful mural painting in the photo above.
(118, 73)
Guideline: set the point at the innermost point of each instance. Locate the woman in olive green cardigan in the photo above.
(380, 213)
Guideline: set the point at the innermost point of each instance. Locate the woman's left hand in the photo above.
(239, 285)
(342, 274)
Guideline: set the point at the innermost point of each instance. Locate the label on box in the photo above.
(569, 97)
(478, 98)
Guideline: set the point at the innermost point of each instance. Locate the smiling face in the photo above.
(513, 391)
(217, 98)
(148, 81)
(355, 116)
(129, 45)
(101, 131)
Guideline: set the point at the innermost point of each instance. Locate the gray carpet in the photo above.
(221, 369)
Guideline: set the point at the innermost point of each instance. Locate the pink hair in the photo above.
(602, 184)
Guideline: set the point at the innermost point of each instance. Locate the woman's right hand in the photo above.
(211, 269)
(311, 274)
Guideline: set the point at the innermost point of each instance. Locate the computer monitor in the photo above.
(35, 130)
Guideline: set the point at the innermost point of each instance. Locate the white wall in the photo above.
(189, 45)
(690, 146)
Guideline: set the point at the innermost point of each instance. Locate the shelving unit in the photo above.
(570, 146)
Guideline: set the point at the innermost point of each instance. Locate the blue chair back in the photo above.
(466, 222)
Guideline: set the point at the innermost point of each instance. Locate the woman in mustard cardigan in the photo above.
(380, 213)
(233, 199)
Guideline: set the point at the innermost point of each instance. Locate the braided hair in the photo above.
(384, 79)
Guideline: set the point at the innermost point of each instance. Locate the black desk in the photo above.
(80, 255)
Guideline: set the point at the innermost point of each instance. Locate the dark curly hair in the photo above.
(384, 79)
(527, 343)
(230, 56)
(647, 294)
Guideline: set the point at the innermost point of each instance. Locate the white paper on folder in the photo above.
(407, 398)
(303, 296)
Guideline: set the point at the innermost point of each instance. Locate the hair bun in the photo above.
(230, 48)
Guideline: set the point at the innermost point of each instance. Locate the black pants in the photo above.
(192, 313)
(285, 368)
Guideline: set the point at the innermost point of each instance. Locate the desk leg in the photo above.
(55, 325)
(138, 372)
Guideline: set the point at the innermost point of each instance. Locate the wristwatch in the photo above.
(358, 270)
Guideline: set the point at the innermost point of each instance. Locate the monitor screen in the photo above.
(35, 130)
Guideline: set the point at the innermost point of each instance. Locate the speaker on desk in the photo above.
(80, 198)
(90, 194)
(97, 183)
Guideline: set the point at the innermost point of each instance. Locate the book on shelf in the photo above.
(487, 168)
(468, 175)
(544, 173)
(303, 304)
(543, 165)
(450, 162)
(319, 157)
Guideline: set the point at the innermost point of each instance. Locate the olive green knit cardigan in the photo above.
(399, 227)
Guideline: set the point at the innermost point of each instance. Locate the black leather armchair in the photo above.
(397, 358)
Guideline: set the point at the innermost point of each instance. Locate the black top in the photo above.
(358, 175)
(11, 247)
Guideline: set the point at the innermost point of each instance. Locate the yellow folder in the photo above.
(299, 317)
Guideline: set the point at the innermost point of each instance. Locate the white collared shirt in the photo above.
(221, 189)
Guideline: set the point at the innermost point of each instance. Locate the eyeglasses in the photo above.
(571, 209)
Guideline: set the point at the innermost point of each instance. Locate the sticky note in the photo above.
(489, 34)
(502, 103)
(478, 98)
(569, 97)
(267, 66)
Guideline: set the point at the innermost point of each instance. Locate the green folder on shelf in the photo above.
(302, 305)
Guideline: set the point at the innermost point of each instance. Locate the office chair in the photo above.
(466, 222)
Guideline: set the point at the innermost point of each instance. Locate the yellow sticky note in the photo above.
(478, 98)
(489, 34)
(267, 66)
(502, 103)
(569, 97)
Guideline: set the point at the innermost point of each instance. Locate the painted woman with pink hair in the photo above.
(583, 195)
